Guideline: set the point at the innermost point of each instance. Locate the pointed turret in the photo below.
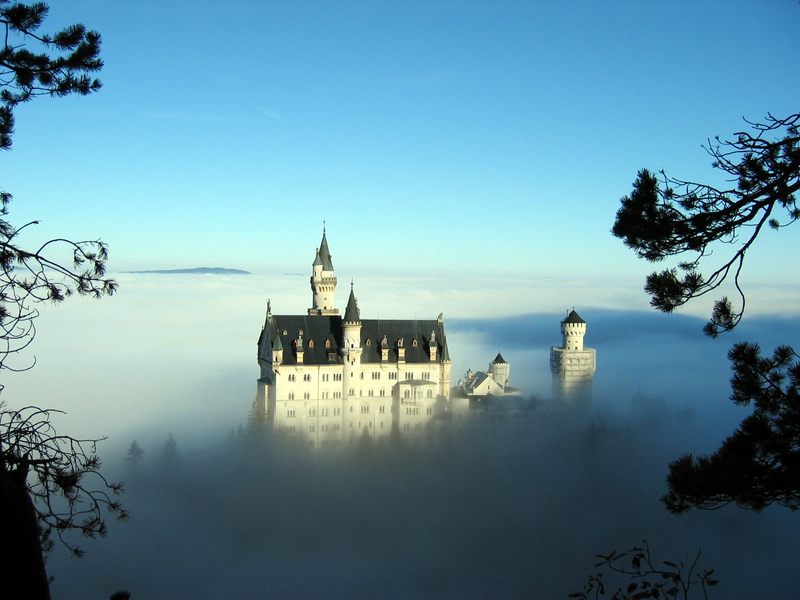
(323, 281)
(351, 313)
(500, 370)
(325, 253)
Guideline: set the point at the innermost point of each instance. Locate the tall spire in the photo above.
(325, 253)
(323, 280)
(351, 313)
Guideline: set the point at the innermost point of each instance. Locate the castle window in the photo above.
(430, 395)
(290, 413)
(306, 396)
(376, 375)
(382, 408)
(406, 393)
(291, 396)
(310, 343)
(324, 412)
(300, 332)
(337, 412)
(414, 342)
(409, 375)
(370, 393)
(291, 377)
(327, 343)
(311, 428)
(369, 342)
(365, 410)
(362, 375)
(383, 392)
(352, 392)
(430, 410)
(393, 375)
(312, 412)
(285, 332)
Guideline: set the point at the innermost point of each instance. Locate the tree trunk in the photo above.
(21, 562)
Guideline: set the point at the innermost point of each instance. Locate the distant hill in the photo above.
(196, 271)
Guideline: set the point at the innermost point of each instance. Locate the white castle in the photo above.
(330, 378)
(572, 365)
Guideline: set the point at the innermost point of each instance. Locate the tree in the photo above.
(645, 577)
(667, 217)
(49, 483)
(759, 464)
(134, 455)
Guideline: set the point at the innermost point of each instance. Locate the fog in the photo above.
(506, 510)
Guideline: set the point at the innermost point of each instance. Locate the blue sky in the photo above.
(490, 136)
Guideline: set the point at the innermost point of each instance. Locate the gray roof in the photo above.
(317, 260)
(325, 254)
(573, 317)
(317, 329)
(498, 359)
(351, 313)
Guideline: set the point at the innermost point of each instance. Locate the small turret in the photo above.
(323, 281)
(573, 328)
(433, 347)
(500, 370)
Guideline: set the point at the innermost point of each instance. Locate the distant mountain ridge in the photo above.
(195, 271)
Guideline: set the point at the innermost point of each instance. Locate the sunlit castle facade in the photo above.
(572, 365)
(331, 378)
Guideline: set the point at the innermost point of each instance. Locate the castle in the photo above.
(331, 378)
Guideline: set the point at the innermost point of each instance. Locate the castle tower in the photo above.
(500, 370)
(323, 281)
(573, 365)
(351, 355)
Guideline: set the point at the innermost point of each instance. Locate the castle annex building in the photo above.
(330, 377)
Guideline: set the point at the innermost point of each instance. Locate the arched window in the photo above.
(430, 393)
(414, 342)
(310, 343)
(327, 343)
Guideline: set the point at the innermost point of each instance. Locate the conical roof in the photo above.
(325, 254)
(573, 317)
(351, 313)
(317, 260)
(499, 359)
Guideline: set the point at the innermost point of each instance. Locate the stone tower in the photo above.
(323, 281)
(572, 365)
(500, 370)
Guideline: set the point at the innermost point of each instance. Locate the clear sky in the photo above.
(483, 135)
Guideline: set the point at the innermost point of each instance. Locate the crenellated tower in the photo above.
(323, 281)
(572, 365)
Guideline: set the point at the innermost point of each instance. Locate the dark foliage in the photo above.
(61, 64)
(644, 577)
(665, 217)
(62, 473)
(34, 64)
(50, 484)
(759, 464)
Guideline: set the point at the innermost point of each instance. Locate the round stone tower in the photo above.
(500, 370)
(323, 282)
(573, 328)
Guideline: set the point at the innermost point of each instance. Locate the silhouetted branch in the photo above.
(665, 217)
